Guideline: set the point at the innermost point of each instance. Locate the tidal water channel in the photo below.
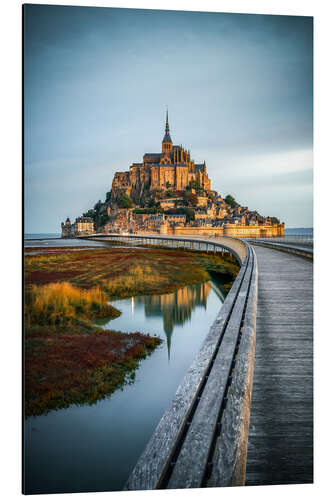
(94, 448)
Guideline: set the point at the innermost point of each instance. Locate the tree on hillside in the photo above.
(190, 198)
(230, 200)
(198, 189)
(194, 184)
(99, 218)
(190, 214)
(97, 207)
(151, 203)
(124, 201)
(102, 220)
(155, 193)
(91, 213)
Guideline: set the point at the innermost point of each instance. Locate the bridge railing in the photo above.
(223, 243)
(201, 439)
(289, 247)
(296, 239)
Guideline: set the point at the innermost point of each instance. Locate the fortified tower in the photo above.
(66, 229)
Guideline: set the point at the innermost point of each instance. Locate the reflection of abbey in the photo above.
(172, 169)
(169, 193)
(176, 308)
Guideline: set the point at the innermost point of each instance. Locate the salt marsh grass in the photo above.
(53, 303)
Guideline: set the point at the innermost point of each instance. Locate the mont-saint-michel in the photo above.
(168, 330)
(169, 193)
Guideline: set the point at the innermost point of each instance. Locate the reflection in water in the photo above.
(144, 313)
(175, 308)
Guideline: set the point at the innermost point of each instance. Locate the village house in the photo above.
(177, 219)
(201, 215)
(202, 201)
(154, 222)
(81, 227)
(169, 203)
(221, 212)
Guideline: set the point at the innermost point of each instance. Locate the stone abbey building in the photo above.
(172, 168)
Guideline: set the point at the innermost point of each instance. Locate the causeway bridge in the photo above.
(243, 413)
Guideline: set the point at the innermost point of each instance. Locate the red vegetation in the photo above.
(42, 278)
(66, 369)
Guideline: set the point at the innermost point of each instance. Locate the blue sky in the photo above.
(97, 81)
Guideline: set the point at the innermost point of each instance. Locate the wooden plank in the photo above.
(280, 447)
(229, 459)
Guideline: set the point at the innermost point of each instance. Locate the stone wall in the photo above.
(235, 230)
(199, 231)
(242, 231)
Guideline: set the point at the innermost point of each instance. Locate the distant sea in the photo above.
(30, 236)
(45, 240)
(289, 231)
(298, 231)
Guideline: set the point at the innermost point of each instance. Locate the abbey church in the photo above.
(172, 168)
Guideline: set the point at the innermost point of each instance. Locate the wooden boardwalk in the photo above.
(280, 446)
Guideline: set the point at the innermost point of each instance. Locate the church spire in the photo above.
(167, 130)
(167, 142)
